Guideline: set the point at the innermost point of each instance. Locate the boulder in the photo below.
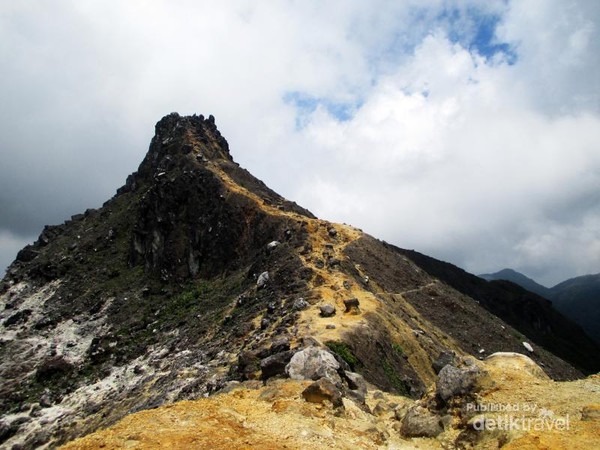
(357, 386)
(275, 364)
(300, 304)
(419, 422)
(248, 365)
(323, 390)
(263, 279)
(515, 362)
(453, 381)
(444, 358)
(327, 310)
(313, 363)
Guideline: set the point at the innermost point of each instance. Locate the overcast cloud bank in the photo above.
(466, 130)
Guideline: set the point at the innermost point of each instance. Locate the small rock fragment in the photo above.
(528, 346)
(272, 245)
(351, 305)
(300, 304)
(263, 279)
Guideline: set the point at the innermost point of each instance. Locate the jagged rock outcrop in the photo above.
(196, 275)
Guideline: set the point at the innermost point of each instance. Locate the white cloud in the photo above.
(478, 161)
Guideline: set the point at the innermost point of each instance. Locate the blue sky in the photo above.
(467, 130)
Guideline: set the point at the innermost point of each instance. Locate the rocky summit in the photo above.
(199, 309)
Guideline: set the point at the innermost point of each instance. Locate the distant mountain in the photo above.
(520, 279)
(577, 298)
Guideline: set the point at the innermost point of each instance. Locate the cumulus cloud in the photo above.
(467, 130)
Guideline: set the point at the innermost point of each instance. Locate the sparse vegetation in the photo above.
(395, 380)
(398, 348)
(342, 349)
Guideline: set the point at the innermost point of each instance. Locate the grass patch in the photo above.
(397, 348)
(343, 351)
(395, 380)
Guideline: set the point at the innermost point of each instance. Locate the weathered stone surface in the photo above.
(511, 361)
(327, 310)
(419, 422)
(263, 279)
(323, 390)
(313, 363)
(300, 304)
(444, 358)
(357, 386)
(351, 305)
(381, 408)
(280, 344)
(248, 365)
(275, 364)
(453, 381)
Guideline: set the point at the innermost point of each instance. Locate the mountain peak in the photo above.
(180, 141)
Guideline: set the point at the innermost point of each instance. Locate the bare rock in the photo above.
(419, 422)
(313, 363)
(444, 358)
(453, 381)
(351, 305)
(275, 364)
(323, 390)
(327, 310)
(263, 279)
(300, 304)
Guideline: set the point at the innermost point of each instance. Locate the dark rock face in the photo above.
(275, 364)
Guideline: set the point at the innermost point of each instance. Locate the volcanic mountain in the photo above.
(577, 298)
(196, 275)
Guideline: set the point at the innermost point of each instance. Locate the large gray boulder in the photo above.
(313, 363)
(453, 381)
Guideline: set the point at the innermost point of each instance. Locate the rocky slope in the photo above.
(512, 404)
(196, 275)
